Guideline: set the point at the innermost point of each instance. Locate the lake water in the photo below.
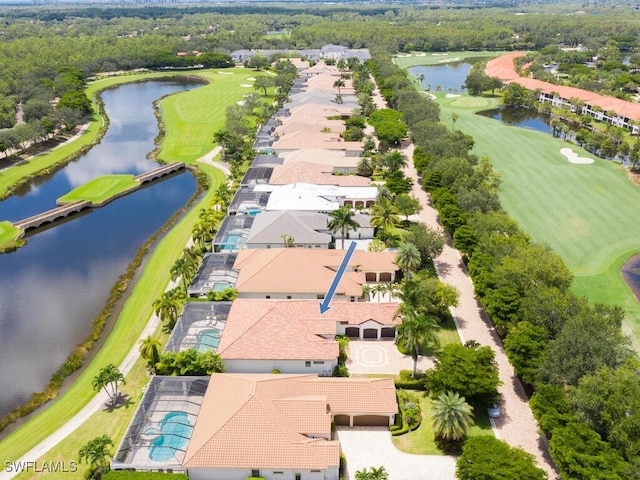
(52, 288)
(520, 117)
(450, 75)
(631, 274)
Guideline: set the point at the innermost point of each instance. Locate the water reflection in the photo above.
(448, 76)
(631, 274)
(53, 287)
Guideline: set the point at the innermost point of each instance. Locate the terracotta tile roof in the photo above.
(259, 421)
(504, 68)
(329, 128)
(273, 330)
(334, 158)
(279, 270)
(290, 329)
(317, 174)
(303, 139)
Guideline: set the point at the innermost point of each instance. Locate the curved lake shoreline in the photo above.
(95, 230)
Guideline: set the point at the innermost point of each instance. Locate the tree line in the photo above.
(558, 344)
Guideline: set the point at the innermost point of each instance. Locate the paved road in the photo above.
(516, 425)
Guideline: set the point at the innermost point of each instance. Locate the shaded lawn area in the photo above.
(101, 189)
(420, 441)
(447, 334)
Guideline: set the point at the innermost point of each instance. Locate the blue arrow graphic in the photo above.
(324, 304)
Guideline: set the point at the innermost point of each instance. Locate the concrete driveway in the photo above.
(366, 447)
(381, 356)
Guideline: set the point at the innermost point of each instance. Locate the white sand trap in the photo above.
(452, 95)
(225, 73)
(422, 54)
(245, 85)
(573, 157)
(251, 79)
(241, 102)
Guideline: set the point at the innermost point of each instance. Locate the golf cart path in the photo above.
(516, 424)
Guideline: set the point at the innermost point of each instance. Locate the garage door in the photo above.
(388, 332)
(341, 420)
(371, 421)
(370, 333)
(352, 332)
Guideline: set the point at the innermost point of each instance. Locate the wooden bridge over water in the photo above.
(63, 211)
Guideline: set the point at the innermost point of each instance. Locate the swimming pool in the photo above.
(231, 241)
(175, 432)
(208, 340)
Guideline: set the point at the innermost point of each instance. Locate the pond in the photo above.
(630, 272)
(445, 77)
(520, 117)
(53, 287)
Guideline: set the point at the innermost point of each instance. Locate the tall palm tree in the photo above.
(342, 221)
(184, 268)
(97, 454)
(384, 215)
(452, 417)
(150, 351)
(408, 258)
(108, 379)
(379, 289)
(454, 119)
(167, 308)
(416, 333)
(366, 291)
(339, 83)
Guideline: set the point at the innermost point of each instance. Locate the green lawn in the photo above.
(101, 189)
(8, 234)
(137, 309)
(192, 117)
(583, 212)
(420, 441)
(423, 58)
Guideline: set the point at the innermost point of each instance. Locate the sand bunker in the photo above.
(251, 79)
(241, 102)
(225, 73)
(573, 157)
(246, 85)
(447, 60)
(452, 95)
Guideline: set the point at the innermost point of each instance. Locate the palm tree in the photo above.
(342, 221)
(408, 258)
(108, 379)
(394, 161)
(375, 474)
(452, 417)
(366, 291)
(379, 289)
(150, 351)
(384, 215)
(97, 454)
(167, 308)
(184, 268)
(416, 333)
(454, 118)
(338, 84)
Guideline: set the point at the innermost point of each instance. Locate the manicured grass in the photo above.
(422, 58)
(583, 212)
(8, 234)
(135, 314)
(132, 319)
(101, 189)
(192, 117)
(420, 441)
